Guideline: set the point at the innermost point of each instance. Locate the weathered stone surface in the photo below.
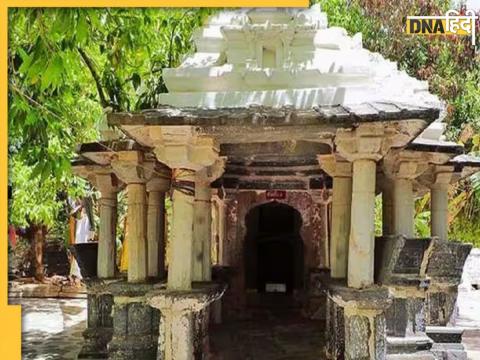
(356, 322)
(406, 316)
(335, 331)
(445, 264)
(449, 351)
(409, 344)
(184, 319)
(357, 330)
(135, 331)
(445, 334)
(440, 305)
(372, 298)
(99, 321)
(399, 260)
(336, 114)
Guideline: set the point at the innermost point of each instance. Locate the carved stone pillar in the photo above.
(135, 170)
(439, 201)
(401, 167)
(156, 189)
(180, 265)
(387, 207)
(202, 263)
(341, 172)
(364, 146)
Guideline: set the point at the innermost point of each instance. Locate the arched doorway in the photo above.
(274, 249)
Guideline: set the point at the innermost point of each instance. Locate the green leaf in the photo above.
(82, 28)
(26, 61)
(53, 74)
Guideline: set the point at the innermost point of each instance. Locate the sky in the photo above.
(473, 4)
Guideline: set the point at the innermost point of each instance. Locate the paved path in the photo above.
(468, 317)
(52, 328)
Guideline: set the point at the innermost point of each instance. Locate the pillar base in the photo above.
(99, 320)
(356, 322)
(95, 345)
(184, 317)
(135, 323)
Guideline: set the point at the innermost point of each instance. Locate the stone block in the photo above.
(440, 305)
(399, 260)
(446, 261)
(357, 330)
(135, 331)
(445, 334)
(409, 344)
(406, 316)
(335, 334)
(356, 323)
(120, 320)
(99, 325)
(449, 351)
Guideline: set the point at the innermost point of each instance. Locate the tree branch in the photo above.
(95, 76)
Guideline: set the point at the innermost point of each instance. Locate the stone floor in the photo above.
(468, 317)
(279, 339)
(52, 328)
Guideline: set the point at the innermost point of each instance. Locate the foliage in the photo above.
(452, 69)
(66, 68)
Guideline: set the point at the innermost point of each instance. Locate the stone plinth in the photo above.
(401, 261)
(444, 268)
(402, 268)
(181, 313)
(356, 322)
(135, 323)
(99, 321)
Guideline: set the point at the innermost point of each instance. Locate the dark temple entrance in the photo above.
(275, 327)
(274, 249)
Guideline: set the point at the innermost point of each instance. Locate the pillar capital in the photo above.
(335, 166)
(100, 176)
(371, 140)
(209, 174)
(365, 142)
(160, 180)
(133, 167)
(137, 167)
(409, 164)
(185, 150)
(442, 176)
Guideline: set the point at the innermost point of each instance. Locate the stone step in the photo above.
(445, 334)
(421, 355)
(408, 344)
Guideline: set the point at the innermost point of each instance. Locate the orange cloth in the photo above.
(124, 257)
(72, 223)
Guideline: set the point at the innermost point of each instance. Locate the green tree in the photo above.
(67, 67)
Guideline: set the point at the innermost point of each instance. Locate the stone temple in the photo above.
(274, 140)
